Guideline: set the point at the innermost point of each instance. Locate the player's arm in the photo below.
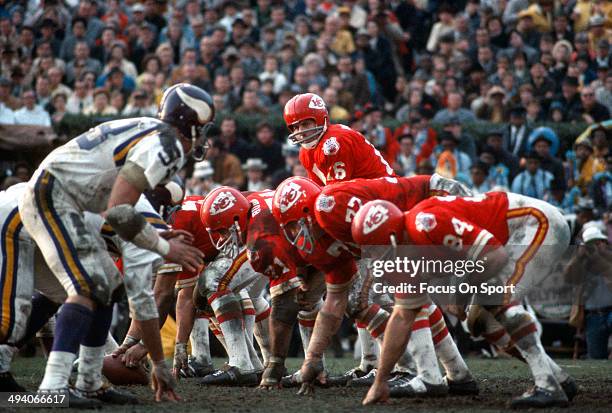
(185, 316)
(131, 226)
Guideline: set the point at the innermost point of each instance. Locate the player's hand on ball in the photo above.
(180, 359)
(134, 355)
(185, 255)
(378, 393)
(162, 382)
(128, 342)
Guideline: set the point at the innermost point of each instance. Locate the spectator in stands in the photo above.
(590, 269)
(450, 161)
(406, 159)
(202, 181)
(81, 62)
(517, 132)
(80, 99)
(254, 168)
(454, 109)
(100, 105)
(478, 183)
(31, 113)
(233, 143)
(58, 104)
(533, 181)
(140, 104)
(267, 148)
(591, 110)
(545, 142)
(495, 143)
(226, 166)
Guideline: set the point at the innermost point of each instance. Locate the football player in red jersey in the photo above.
(335, 209)
(200, 362)
(516, 236)
(237, 221)
(330, 152)
(293, 208)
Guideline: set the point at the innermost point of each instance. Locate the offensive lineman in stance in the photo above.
(517, 237)
(104, 171)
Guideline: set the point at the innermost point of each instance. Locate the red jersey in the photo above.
(188, 218)
(268, 250)
(334, 258)
(342, 154)
(337, 204)
(465, 225)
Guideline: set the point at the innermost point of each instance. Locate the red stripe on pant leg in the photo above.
(248, 311)
(361, 324)
(233, 315)
(435, 316)
(379, 330)
(440, 336)
(524, 332)
(371, 313)
(263, 315)
(306, 323)
(420, 324)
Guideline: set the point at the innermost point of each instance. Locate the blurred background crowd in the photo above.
(413, 64)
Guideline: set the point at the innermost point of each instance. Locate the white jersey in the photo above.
(88, 165)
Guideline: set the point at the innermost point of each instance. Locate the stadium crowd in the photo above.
(516, 63)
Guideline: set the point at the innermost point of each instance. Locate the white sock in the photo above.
(421, 348)
(560, 375)
(369, 350)
(235, 341)
(200, 343)
(110, 345)
(89, 377)
(249, 327)
(451, 359)
(306, 330)
(6, 357)
(516, 318)
(57, 372)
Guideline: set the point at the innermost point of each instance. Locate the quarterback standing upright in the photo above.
(331, 153)
(104, 171)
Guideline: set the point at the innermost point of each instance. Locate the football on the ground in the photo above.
(118, 374)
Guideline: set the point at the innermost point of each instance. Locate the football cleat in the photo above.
(418, 388)
(570, 388)
(230, 376)
(363, 381)
(293, 380)
(539, 397)
(75, 400)
(352, 374)
(196, 369)
(466, 387)
(109, 394)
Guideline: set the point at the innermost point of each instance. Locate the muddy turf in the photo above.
(499, 380)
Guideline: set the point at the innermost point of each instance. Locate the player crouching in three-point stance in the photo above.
(517, 237)
(104, 171)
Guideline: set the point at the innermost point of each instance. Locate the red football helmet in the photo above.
(378, 223)
(293, 208)
(302, 107)
(224, 215)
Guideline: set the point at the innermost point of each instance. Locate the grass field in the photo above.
(499, 381)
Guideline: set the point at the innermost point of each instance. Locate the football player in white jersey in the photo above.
(104, 171)
(23, 271)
